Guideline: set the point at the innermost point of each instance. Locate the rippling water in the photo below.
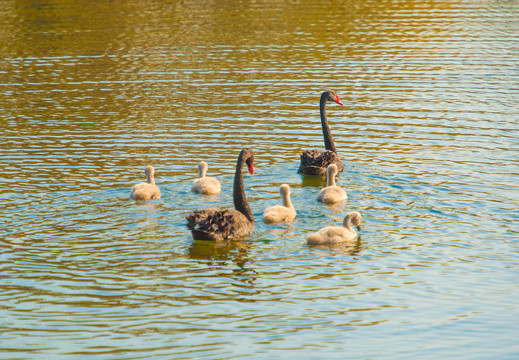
(91, 93)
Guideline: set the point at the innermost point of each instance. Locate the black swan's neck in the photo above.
(240, 201)
(328, 139)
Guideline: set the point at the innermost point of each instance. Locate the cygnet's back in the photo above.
(281, 213)
(337, 234)
(331, 193)
(146, 190)
(205, 185)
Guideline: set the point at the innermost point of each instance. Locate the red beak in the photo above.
(250, 168)
(338, 101)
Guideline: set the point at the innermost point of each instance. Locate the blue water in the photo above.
(92, 93)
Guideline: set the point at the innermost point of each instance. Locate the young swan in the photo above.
(146, 190)
(205, 185)
(281, 213)
(331, 193)
(337, 234)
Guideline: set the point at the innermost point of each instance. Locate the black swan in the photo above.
(215, 224)
(146, 190)
(315, 162)
(337, 234)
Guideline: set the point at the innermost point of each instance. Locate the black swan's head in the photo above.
(330, 95)
(249, 159)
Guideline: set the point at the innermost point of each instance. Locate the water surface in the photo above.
(90, 93)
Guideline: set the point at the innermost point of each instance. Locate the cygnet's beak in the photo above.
(358, 228)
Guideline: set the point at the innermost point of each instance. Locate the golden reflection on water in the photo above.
(92, 92)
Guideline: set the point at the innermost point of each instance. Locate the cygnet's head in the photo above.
(284, 190)
(331, 170)
(149, 171)
(353, 218)
(202, 168)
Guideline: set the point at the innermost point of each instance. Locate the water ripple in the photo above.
(428, 136)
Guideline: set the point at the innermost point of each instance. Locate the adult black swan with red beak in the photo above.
(222, 224)
(315, 162)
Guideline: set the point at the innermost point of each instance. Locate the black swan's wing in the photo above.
(315, 162)
(213, 224)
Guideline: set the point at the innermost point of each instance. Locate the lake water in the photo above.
(92, 92)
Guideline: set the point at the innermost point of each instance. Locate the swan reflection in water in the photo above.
(352, 248)
(223, 251)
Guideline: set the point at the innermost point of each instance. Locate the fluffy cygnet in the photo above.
(331, 193)
(146, 190)
(281, 213)
(337, 234)
(205, 185)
